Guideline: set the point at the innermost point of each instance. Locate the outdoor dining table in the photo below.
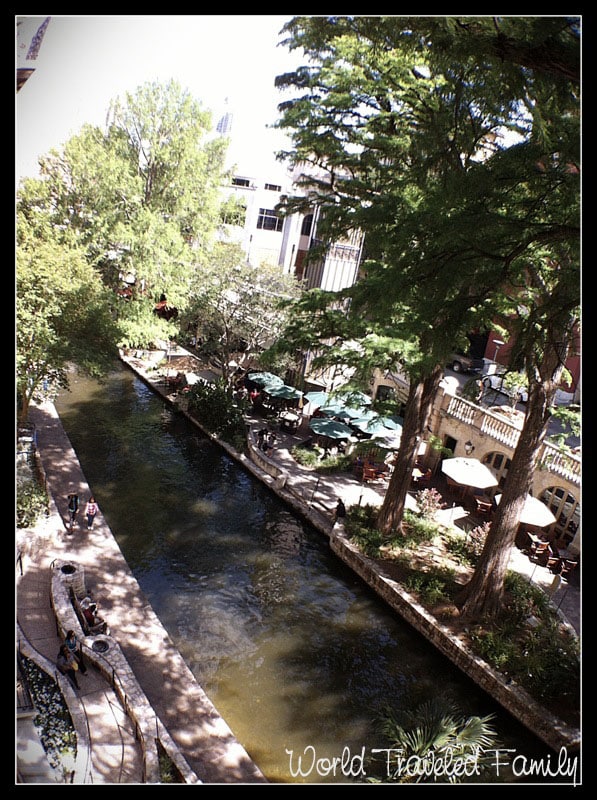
(289, 420)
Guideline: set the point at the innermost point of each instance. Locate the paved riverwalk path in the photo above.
(202, 736)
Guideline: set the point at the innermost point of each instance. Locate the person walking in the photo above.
(261, 437)
(91, 510)
(72, 643)
(67, 665)
(340, 511)
(73, 509)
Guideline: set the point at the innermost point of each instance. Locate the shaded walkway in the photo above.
(202, 736)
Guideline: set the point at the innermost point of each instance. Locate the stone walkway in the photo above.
(203, 737)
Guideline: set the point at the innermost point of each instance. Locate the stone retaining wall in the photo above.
(106, 656)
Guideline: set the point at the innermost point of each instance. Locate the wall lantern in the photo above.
(468, 447)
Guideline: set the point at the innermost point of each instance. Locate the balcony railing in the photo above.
(488, 423)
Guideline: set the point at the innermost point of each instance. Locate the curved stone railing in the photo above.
(82, 766)
(106, 655)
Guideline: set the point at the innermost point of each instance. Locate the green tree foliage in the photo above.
(453, 144)
(432, 736)
(63, 315)
(141, 199)
(236, 309)
(218, 412)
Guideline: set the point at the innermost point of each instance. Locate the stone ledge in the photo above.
(82, 766)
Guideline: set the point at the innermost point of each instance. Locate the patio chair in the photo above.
(568, 566)
(483, 506)
(541, 553)
(369, 474)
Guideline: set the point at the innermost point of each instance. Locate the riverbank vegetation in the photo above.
(527, 642)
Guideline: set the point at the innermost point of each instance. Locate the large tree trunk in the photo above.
(418, 410)
(483, 596)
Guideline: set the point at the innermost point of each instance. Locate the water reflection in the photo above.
(291, 647)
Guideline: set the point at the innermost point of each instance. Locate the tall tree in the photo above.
(237, 309)
(63, 316)
(401, 124)
(142, 199)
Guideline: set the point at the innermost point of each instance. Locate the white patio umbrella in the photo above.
(534, 512)
(469, 472)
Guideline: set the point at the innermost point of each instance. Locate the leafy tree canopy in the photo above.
(453, 145)
(141, 199)
(237, 309)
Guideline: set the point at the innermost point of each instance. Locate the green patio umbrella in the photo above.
(318, 399)
(380, 426)
(286, 392)
(332, 409)
(329, 427)
(354, 399)
(265, 379)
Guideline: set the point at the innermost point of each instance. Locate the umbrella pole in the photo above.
(314, 490)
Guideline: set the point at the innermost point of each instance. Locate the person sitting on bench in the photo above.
(95, 623)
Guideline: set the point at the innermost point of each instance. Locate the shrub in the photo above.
(431, 732)
(359, 525)
(429, 502)
(543, 658)
(417, 530)
(215, 408)
(467, 547)
(305, 457)
(432, 587)
(32, 503)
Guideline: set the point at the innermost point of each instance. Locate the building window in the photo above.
(268, 220)
(307, 225)
(565, 509)
(241, 182)
(273, 187)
